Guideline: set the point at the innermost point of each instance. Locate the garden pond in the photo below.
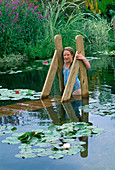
(50, 135)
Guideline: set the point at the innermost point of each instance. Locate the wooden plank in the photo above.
(50, 77)
(71, 80)
(83, 70)
(59, 48)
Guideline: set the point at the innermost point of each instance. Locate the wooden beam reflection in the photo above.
(85, 118)
(70, 111)
(58, 115)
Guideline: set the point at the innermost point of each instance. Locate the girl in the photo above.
(68, 55)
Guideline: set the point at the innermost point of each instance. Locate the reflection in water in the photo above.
(50, 111)
(69, 112)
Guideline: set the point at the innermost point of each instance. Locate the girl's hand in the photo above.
(79, 56)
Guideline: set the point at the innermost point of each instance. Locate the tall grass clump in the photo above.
(97, 31)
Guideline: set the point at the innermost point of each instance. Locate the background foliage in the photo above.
(27, 28)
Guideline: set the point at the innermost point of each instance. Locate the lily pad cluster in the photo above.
(98, 109)
(55, 142)
(17, 94)
(37, 65)
(6, 129)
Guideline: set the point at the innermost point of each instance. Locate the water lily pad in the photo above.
(24, 146)
(11, 140)
(51, 141)
(38, 150)
(28, 155)
(56, 156)
(43, 154)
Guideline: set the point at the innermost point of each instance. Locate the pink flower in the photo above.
(14, 8)
(0, 13)
(0, 2)
(35, 7)
(17, 2)
(9, 14)
(28, 8)
(3, 31)
(45, 62)
(32, 12)
(66, 146)
(37, 13)
(31, 5)
(17, 92)
(39, 17)
(47, 16)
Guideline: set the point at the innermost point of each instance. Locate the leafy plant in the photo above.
(55, 142)
(18, 94)
(97, 109)
(29, 28)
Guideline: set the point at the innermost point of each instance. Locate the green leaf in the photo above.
(14, 128)
(56, 156)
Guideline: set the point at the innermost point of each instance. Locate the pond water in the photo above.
(99, 150)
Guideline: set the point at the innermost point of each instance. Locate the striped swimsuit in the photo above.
(66, 75)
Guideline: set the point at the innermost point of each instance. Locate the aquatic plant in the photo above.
(19, 25)
(55, 142)
(18, 94)
(99, 109)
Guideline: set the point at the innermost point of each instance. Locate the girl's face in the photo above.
(68, 57)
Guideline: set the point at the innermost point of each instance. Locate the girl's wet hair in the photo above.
(70, 49)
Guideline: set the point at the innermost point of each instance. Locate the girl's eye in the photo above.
(66, 55)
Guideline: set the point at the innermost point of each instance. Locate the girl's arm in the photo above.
(79, 56)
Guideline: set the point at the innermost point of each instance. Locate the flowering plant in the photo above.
(19, 25)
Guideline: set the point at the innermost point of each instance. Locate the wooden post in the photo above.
(59, 48)
(83, 70)
(77, 67)
(114, 27)
(57, 63)
(71, 80)
(50, 77)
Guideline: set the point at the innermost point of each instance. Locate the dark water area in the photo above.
(99, 151)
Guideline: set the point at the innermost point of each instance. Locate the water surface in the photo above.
(99, 150)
